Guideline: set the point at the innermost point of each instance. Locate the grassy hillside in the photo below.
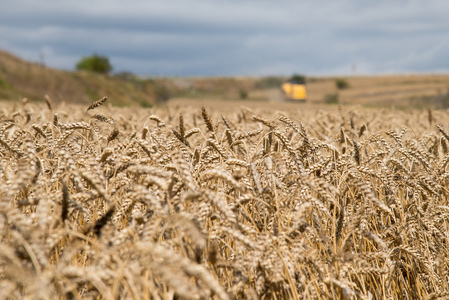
(20, 79)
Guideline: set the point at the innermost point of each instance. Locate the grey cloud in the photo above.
(200, 37)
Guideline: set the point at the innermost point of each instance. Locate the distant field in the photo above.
(236, 200)
(376, 91)
(396, 90)
(418, 91)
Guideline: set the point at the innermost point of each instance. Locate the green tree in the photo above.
(161, 93)
(94, 63)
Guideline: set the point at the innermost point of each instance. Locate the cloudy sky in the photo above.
(232, 37)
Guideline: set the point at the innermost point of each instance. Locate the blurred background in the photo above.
(153, 41)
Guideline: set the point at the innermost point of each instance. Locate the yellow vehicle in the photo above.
(295, 90)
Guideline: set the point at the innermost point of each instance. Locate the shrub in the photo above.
(161, 93)
(94, 63)
(341, 84)
(243, 94)
(145, 104)
(3, 83)
(125, 75)
(331, 98)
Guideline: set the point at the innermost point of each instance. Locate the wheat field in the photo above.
(178, 202)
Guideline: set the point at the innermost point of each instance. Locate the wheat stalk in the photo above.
(97, 103)
(317, 208)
